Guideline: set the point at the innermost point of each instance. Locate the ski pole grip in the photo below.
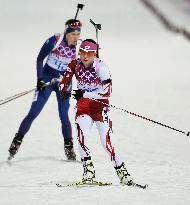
(80, 6)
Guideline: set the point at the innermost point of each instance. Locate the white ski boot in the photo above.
(89, 172)
(124, 177)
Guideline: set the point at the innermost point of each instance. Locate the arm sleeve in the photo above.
(67, 77)
(104, 90)
(44, 51)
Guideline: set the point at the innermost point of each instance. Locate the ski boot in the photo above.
(89, 172)
(124, 176)
(69, 150)
(17, 140)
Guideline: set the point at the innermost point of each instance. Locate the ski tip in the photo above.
(141, 186)
(188, 134)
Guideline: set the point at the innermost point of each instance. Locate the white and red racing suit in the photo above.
(96, 83)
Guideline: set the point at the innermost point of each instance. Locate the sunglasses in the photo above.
(87, 54)
(75, 25)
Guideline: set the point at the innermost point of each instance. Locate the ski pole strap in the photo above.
(144, 118)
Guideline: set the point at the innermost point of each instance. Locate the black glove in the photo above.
(40, 84)
(78, 94)
(65, 95)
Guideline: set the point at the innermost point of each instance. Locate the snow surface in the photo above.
(150, 71)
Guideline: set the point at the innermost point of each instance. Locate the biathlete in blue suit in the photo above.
(60, 50)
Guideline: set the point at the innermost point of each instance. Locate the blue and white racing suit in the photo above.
(59, 54)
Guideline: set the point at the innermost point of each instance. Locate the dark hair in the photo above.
(71, 21)
(90, 40)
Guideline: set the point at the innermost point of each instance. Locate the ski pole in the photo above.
(97, 27)
(6, 100)
(144, 118)
(79, 6)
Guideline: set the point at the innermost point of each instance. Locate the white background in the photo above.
(150, 71)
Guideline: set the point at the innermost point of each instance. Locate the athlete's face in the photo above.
(73, 37)
(87, 58)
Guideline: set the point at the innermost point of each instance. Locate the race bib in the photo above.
(59, 64)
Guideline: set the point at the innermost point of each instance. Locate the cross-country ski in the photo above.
(97, 183)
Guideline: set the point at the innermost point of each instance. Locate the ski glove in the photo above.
(78, 94)
(40, 84)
